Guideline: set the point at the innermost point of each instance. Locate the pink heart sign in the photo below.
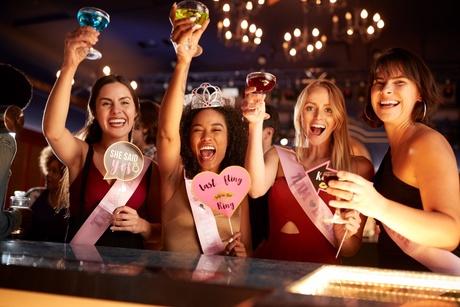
(223, 192)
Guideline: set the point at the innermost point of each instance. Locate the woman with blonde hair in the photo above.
(298, 230)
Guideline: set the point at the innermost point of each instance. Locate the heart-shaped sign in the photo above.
(223, 192)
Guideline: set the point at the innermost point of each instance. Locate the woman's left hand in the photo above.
(236, 247)
(356, 193)
(354, 222)
(125, 218)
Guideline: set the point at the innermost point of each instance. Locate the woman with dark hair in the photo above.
(298, 227)
(415, 195)
(112, 111)
(205, 136)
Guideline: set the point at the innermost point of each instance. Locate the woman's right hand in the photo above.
(185, 30)
(77, 44)
(253, 106)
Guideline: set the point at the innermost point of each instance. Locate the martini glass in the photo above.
(96, 18)
(188, 9)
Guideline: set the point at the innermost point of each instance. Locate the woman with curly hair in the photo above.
(210, 137)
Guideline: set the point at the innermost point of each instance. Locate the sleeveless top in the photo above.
(47, 225)
(391, 187)
(309, 245)
(179, 232)
(87, 191)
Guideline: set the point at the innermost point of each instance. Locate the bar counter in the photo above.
(102, 276)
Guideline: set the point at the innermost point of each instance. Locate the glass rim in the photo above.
(259, 73)
(96, 10)
(201, 5)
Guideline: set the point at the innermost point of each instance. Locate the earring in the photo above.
(424, 110)
(365, 113)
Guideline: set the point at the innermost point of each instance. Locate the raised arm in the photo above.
(64, 144)
(168, 137)
(262, 168)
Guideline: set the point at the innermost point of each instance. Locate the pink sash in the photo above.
(205, 224)
(437, 260)
(206, 268)
(97, 223)
(304, 192)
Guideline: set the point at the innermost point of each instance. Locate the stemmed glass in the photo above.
(188, 9)
(96, 18)
(337, 217)
(263, 82)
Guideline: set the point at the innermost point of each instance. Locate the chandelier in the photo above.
(303, 42)
(235, 28)
(357, 25)
(306, 42)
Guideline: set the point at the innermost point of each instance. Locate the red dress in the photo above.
(309, 245)
(88, 189)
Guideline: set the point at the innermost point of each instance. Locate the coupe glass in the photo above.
(336, 218)
(188, 9)
(262, 81)
(96, 18)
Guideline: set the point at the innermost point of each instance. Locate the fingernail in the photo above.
(196, 27)
(230, 241)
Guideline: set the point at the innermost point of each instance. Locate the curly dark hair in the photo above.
(237, 139)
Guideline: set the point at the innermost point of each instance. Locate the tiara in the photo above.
(208, 96)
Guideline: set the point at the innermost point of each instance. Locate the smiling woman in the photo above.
(298, 228)
(112, 110)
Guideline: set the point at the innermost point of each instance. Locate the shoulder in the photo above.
(35, 191)
(363, 167)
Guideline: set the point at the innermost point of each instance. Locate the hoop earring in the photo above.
(424, 110)
(365, 113)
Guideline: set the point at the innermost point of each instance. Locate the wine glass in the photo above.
(262, 81)
(96, 18)
(188, 9)
(336, 218)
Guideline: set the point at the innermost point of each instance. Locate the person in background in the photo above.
(145, 129)
(16, 92)
(298, 231)
(207, 135)
(112, 111)
(415, 194)
(258, 207)
(49, 222)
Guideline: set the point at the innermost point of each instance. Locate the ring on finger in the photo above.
(354, 198)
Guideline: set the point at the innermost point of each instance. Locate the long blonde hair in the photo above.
(340, 144)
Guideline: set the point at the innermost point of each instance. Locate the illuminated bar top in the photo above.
(128, 276)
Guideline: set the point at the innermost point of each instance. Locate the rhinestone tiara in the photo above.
(208, 96)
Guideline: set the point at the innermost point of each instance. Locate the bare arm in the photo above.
(168, 137)
(262, 169)
(363, 167)
(430, 166)
(68, 148)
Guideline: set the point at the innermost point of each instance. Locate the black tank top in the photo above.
(387, 184)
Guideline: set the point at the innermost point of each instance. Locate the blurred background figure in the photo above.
(16, 94)
(258, 207)
(145, 129)
(49, 222)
